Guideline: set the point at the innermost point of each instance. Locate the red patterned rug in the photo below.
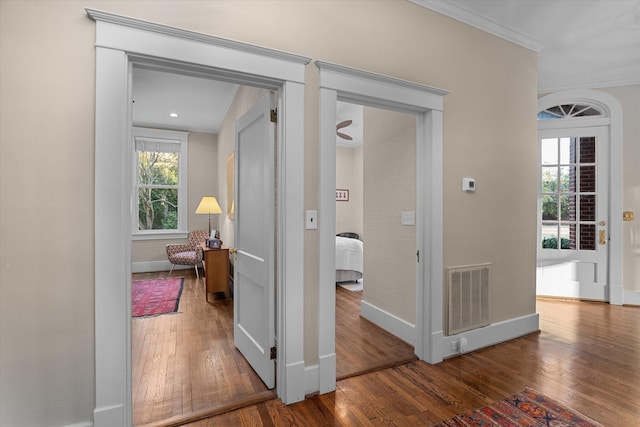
(528, 408)
(155, 296)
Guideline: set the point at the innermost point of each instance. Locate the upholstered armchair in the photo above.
(189, 253)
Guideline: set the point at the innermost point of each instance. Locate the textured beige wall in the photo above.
(47, 82)
(202, 181)
(629, 98)
(389, 190)
(349, 175)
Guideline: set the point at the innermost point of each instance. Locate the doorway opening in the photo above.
(121, 41)
(338, 83)
(579, 197)
(375, 187)
(186, 364)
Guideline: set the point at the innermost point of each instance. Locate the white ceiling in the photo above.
(201, 103)
(580, 44)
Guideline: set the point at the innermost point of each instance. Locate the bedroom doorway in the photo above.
(339, 83)
(116, 38)
(375, 187)
(181, 365)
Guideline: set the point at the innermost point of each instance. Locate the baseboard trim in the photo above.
(109, 416)
(495, 333)
(152, 266)
(82, 424)
(294, 390)
(312, 379)
(326, 375)
(389, 322)
(631, 297)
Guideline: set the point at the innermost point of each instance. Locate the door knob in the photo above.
(233, 250)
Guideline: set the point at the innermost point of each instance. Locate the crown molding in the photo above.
(490, 26)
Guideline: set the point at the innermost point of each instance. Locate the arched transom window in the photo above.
(566, 111)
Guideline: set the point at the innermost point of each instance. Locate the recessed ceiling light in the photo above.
(174, 115)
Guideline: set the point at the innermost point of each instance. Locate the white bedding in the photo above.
(349, 254)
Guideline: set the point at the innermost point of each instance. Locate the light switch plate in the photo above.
(408, 218)
(312, 220)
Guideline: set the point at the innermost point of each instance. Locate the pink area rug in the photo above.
(155, 296)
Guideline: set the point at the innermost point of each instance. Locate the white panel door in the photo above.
(573, 211)
(254, 282)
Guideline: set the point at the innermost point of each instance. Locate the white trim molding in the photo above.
(361, 87)
(632, 297)
(495, 333)
(612, 117)
(389, 322)
(121, 42)
(469, 17)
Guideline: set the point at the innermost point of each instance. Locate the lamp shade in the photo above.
(208, 205)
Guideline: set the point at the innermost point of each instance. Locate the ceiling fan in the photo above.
(342, 125)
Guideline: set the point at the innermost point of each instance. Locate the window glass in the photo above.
(568, 190)
(157, 190)
(160, 182)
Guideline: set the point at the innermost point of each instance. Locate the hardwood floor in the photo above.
(586, 356)
(361, 346)
(185, 366)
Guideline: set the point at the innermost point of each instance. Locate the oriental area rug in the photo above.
(527, 408)
(153, 297)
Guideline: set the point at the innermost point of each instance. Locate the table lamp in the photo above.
(209, 205)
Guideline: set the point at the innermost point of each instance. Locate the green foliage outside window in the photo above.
(549, 202)
(552, 243)
(157, 191)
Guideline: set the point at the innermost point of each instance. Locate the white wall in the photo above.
(629, 98)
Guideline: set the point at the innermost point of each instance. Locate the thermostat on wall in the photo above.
(468, 185)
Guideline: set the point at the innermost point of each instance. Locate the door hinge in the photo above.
(418, 255)
(273, 353)
(274, 115)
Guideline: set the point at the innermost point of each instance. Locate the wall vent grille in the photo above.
(467, 298)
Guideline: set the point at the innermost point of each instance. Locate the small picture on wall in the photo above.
(342, 195)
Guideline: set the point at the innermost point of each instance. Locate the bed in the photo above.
(349, 255)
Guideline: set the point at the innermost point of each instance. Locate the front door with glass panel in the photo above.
(573, 213)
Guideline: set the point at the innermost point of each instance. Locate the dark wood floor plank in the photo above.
(586, 356)
(185, 365)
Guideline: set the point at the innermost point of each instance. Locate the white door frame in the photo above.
(356, 86)
(119, 40)
(612, 118)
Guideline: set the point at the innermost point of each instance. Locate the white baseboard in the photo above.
(312, 379)
(295, 383)
(326, 374)
(109, 416)
(150, 266)
(489, 335)
(82, 424)
(389, 322)
(632, 297)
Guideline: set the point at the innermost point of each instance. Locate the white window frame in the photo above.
(162, 135)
